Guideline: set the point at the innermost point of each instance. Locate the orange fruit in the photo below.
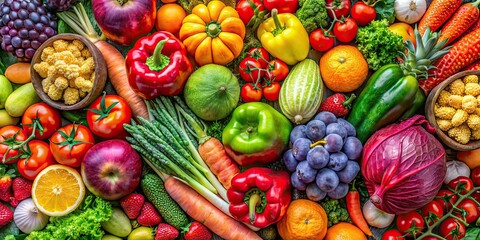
(304, 219)
(170, 17)
(58, 190)
(471, 158)
(344, 231)
(343, 68)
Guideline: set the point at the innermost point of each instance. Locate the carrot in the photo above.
(473, 66)
(203, 211)
(355, 211)
(461, 21)
(214, 155)
(437, 14)
(117, 74)
(18, 73)
(464, 52)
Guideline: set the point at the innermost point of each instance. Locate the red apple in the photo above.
(404, 30)
(124, 21)
(111, 169)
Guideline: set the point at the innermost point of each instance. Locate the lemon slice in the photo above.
(58, 190)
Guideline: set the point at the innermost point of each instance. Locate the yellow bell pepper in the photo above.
(284, 36)
(213, 33)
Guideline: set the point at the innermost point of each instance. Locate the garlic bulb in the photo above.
(410, 11)
(456, 169)
(28, 218)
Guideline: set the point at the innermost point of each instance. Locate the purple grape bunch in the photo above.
(59, 5)
(323, 156)
(24, 26)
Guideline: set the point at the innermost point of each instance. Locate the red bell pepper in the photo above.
(158, 65)
(283, 6)
(259, 196)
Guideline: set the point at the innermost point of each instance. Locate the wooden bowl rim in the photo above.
(98, 82)
(429, 114)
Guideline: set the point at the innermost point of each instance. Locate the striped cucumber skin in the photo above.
(301, 92)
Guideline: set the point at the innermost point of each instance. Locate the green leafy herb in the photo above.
(6, 59)
(472, 234)
(336, 211)
(312, 14)
(9, 230)
(379, 45)
(385, 10)
(63, 27)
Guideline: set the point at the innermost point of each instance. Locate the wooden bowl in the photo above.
(98, 82)
(430, 103)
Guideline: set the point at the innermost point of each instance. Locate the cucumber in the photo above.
(5, 90)
(119, 224)
(301, 92)
(155, 192)
(6, 119)
(20, 99)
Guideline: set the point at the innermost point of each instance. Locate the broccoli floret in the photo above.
(312, 14)
(336, 211)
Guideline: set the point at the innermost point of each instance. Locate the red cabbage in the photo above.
(403, 166)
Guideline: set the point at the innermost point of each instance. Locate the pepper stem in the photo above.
(213, 29)
(158, 61)
(278, 25)
(252, 204)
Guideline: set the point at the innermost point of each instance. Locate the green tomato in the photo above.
(141, 233)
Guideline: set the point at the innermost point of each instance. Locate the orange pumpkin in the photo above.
(304, 219)
(213, 33)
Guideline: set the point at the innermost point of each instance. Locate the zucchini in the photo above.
(155, 192)
(301, 92)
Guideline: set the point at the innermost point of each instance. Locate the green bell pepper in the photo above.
(257, 134)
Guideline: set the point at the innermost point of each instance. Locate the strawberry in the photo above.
(337, 104)
(22, 188)
(196, 231)
(166, 232)
(6, 183)
(6, 215)
(132, 204)
(149, 216)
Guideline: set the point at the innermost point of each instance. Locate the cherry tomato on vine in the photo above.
(48, 117)
(392, 234)
(475, 176)
(446, 198)
(106, 116)
(38, 159)
(272, 91)
(470, 208)
(430, 238)
(363, 14)
(345, 31)
(246, 11)
(451, 229)
(9, 137)
(261, 55)
(277, 70)
(321, 41)
(70, 143)
(410, 223)
(433, 211)
(249, 69)
(476, 195)
(251, 92)
(461, 182)
(340, 8)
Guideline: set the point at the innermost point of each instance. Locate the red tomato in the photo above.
(106, 116)
(10, 136)
(461, 184)
(408, 221)
(251, 92)
(345, 31)
(283, 6)
(277, 70)
(432, 212)
(340, 8)
(363, 14)
(246, 11)
(39, 158)
(476, 195)
(475, 176)
(451, 229)
(392, 234)
(261, 55)
(250, 70)
(46, 116)
(470, 208)
(430, 238)
(446, 198)
(272, 91)
(321, 41)
(70, 143)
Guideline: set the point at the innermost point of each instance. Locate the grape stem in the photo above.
(319, 142)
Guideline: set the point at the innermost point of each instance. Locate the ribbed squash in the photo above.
(302, 92)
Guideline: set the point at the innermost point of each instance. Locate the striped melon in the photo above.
(301, 92)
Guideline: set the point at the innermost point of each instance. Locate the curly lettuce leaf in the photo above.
(385, 10)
